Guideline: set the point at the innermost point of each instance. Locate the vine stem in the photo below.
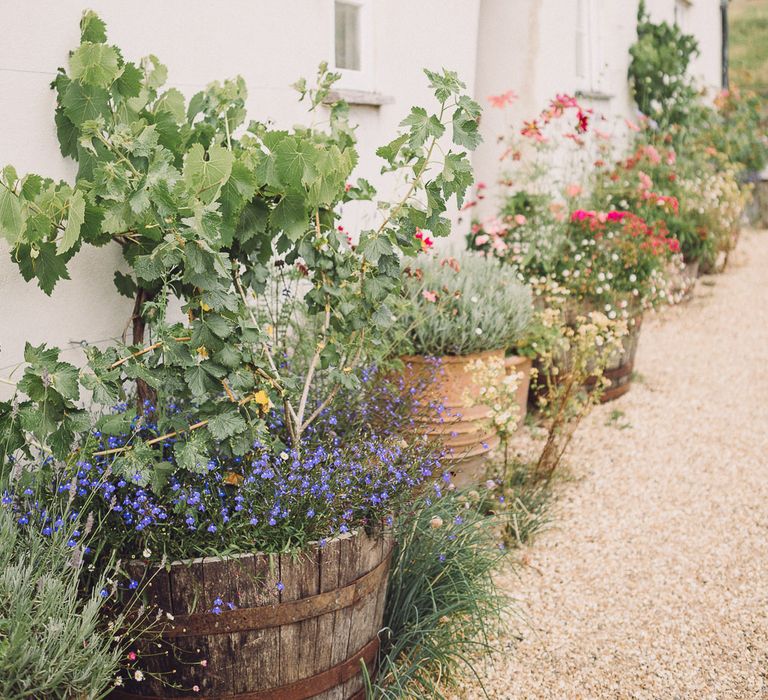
(290, 414)
(153, 441)
(145, 350)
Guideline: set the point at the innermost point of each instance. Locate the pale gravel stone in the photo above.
(653, 581)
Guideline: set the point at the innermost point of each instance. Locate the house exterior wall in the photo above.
(269, 43)
(494, 45)
(530, 46)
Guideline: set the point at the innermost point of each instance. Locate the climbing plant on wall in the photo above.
(238, 221)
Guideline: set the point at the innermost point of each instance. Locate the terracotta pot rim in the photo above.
(451, 359)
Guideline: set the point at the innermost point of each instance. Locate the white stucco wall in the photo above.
(495, 45)
(529, 46)
(269, 43)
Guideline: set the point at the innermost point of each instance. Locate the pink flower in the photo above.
(204, 663)
(573, 190)
(616, 215)
(520, 219)
(653, 155)
(631, 125)
(131, 656)
(501, 101)
(431, 297)
(645, 181)
(482, 239)
(196, 688)
(581, 215)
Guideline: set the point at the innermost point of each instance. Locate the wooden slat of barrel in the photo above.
(330, 564)
(349, 558)
(187, 597)
(156, 590)
(300, 576)
(363, 626)
(260, 649)
(217, 584)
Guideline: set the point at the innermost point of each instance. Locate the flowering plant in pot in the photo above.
(651, 183)
(200, 439)
(614, 262)
(456, 321)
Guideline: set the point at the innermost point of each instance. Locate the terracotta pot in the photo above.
(463, 425)
(522, 366)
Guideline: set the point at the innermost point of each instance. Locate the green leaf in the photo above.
(75, 219)
(226, 424)
(64, 380)
(11, 216)
(373, 246)
(465, 130)
(84, 102)
(125, 284)
(94, 64)
(48, 267)
(290, 216)
(422, 126)
(128, 83)
(191, 455)
(172, 101)
(104, 392)
(198, 381)
(295, 161)
(67, 134)
(456, 176)
(390, 151)
(92, 28)
(205, 176)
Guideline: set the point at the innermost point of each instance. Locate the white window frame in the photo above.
(362, 79)
(590, 67)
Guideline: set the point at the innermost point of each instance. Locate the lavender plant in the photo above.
(54, 642)
(460, 307)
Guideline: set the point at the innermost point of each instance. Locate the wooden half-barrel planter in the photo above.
(621, 365)
(464, 426)
(301, 625)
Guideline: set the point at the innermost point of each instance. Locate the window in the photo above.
(589, 59)
(352, 39)
(347, 35)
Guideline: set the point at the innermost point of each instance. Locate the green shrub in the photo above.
(442, 601)
(462, 307)
(52, 643)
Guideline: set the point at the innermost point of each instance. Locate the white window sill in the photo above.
(359, 97)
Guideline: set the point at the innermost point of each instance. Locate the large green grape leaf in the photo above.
(94, 64)
(11, 216)
(206, 177)
(84, 102)
(75, 219)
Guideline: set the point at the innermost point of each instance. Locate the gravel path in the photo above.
(653, 580)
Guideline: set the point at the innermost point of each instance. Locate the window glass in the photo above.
(347, 35)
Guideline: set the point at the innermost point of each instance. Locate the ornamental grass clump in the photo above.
(462, 306)
(443, 605)
(54, 640)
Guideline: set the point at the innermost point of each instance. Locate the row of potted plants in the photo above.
(234, 483)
